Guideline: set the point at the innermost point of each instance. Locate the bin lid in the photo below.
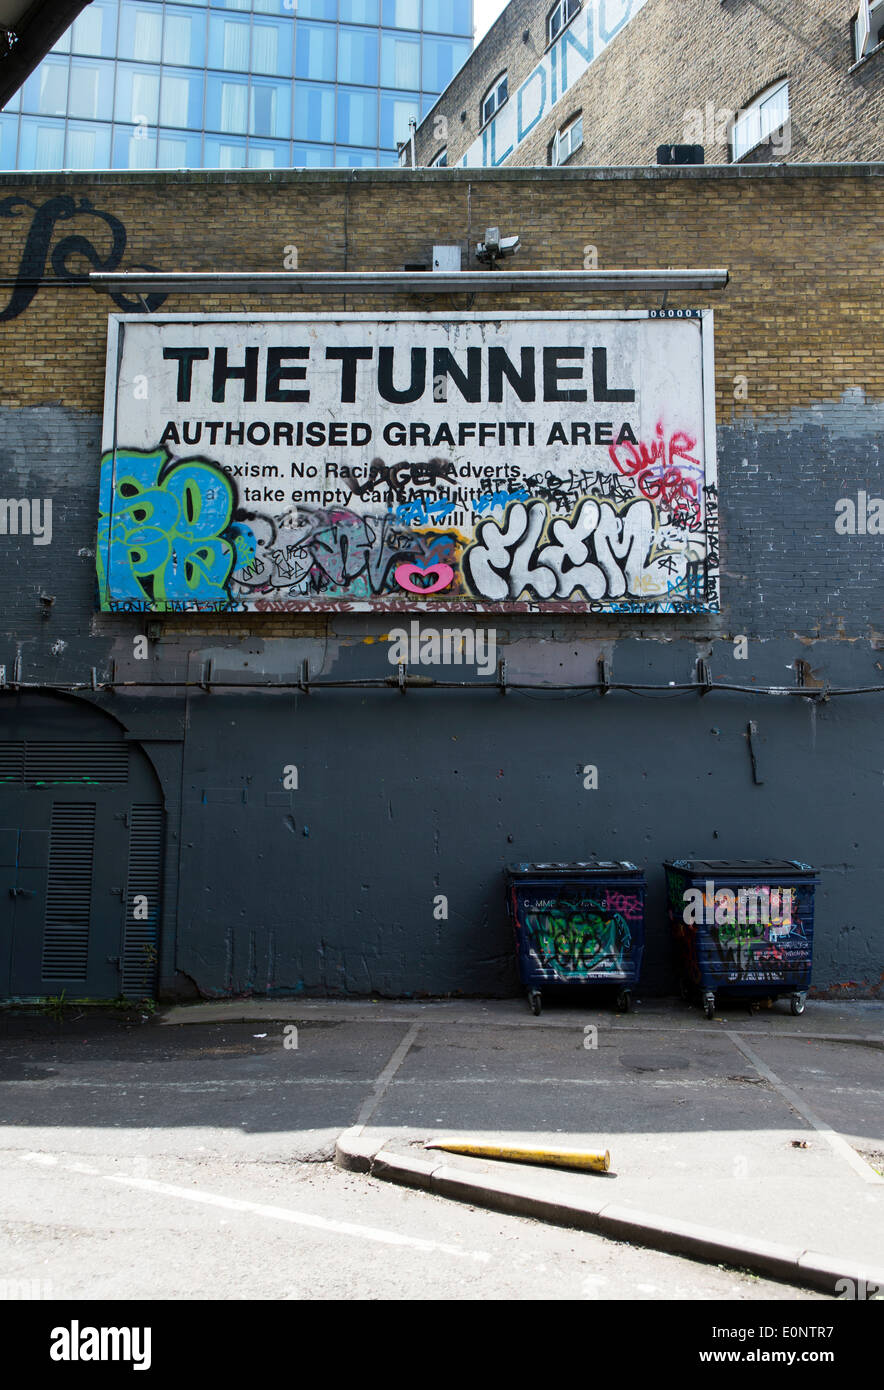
(739, 866)
(602, 868)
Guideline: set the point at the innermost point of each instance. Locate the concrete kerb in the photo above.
(513, 1194)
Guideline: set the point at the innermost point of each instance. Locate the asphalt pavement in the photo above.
(754, 1141)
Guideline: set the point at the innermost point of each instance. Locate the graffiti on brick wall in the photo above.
(39, 249)
(395, 496)
(166, 531)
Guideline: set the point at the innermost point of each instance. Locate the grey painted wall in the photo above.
(331, 887)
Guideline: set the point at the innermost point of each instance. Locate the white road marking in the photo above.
(296, 1218)
(274, 1213)
(833, 1139)
(370, 1104)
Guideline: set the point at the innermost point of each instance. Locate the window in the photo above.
(447, 17)
(131, 151)
(138, 96)
(315, 52)
(359, 12)
(42, 144)
(560, 17)
(8, 138)
(225, 154)
(400, 62)
(271, 49)
(178, 150)
(868, 28)
(355, 159)
(357, 56)
(234, 106)
(441, 160)
(86, 32)
(402, 14)
(91, 91)
(46, 90)
(270, 109)
(396, 112)
(493, 99)
(318, 9)
(176, 91)
(141, 32)
(229, 44)
(312, 157)
(357, 117)
(766, 114)
(88, 147)
(184, 37)
(268, 156)
(442, 59)
(314, 113)
(566, 141)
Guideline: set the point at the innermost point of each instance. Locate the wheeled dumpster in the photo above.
(742, 927)
(577, 926)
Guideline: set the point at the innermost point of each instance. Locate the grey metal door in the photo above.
(81, 828)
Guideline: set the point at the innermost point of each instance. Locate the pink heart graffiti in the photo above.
(403, 578)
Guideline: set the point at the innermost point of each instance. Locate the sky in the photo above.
(484, 14)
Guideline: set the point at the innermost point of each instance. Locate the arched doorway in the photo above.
(81, 837)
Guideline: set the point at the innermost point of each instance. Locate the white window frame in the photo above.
(441, 159)
(493, 94)
(753, 126)
(564, 143)
(565, 11)
(866, 28)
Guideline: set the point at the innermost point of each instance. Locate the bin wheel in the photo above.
(709, 1004)
(624, 1000)
(797, 1003)
(534, 1001)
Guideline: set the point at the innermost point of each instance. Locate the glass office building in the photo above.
(243, 84)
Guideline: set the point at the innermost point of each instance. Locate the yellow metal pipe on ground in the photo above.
(551, 1156)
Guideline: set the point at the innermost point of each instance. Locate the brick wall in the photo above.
(673, 58)
(407, 798)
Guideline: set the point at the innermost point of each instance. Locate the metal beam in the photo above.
(401, 281)
(37, 27)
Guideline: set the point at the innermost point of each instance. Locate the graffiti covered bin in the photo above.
(577, 925)
(743, 926)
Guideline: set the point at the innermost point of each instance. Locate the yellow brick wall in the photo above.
(800, 317)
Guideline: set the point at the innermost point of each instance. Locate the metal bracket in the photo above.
(206, 681)
(604, 680)
(501, 676)
(751, 735)
(304, 682)
(704, 676)
(402, 678)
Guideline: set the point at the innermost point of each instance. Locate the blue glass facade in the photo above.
(246, 84)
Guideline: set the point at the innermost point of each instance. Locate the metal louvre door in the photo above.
(80, 835)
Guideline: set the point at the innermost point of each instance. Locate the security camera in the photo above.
(495, 247)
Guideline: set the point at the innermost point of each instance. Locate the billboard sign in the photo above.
(457, 462)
